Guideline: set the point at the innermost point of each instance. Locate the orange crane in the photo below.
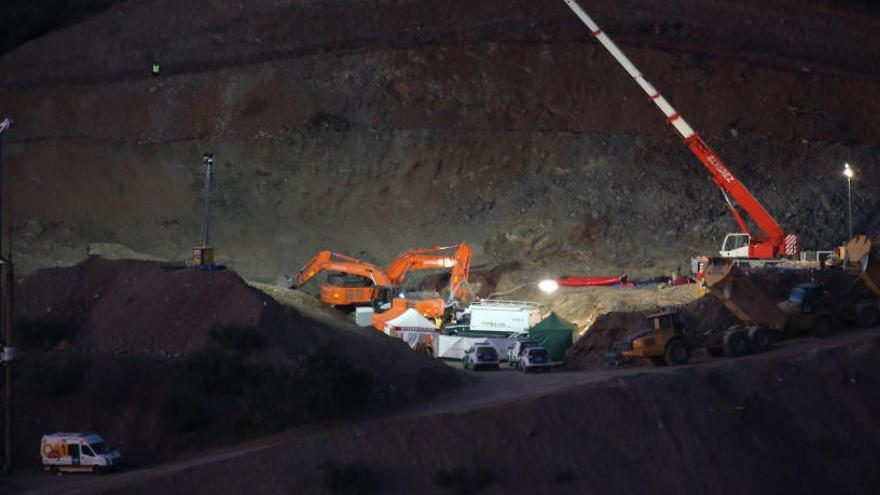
(771, 242)
(351, 281)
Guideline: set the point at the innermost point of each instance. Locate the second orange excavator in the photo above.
(457, 259)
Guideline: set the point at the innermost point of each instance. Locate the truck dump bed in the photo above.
(859, 253)
(742, 296)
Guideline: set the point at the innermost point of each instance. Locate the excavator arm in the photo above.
(336, 262)
(458, 262)
(772, 241)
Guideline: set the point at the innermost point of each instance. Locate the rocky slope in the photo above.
(370, 127)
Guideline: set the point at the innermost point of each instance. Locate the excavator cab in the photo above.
(662, 341)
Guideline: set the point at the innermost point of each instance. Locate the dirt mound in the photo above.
(140, 306)
(703, 314)
(787, 422)
(160, 357)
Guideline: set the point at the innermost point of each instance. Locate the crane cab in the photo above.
(736, 246)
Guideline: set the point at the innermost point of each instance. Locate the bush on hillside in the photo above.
(241, 338)
(43, 333)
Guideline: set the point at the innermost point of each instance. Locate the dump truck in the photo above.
(665, 339)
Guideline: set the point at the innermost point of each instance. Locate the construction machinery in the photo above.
(861, 255)
(350, 281)
(666, 340)
(770, 242)
(457, 259)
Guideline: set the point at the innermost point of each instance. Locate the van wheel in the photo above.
(868, 316)
(658, 360)
(760, 339)
(823, 326)
(677, 352)
(736, 343)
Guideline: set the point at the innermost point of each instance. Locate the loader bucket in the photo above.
(859, 255)
(857, 251)
(740, 295)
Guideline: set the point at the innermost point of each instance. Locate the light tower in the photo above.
(203, 256)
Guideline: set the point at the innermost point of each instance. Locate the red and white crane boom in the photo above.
(772, 241)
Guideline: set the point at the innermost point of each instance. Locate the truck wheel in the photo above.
(760, 339)
(658, 360)
(677, 352)
(823, 326)
(868, 316)
(736, 343)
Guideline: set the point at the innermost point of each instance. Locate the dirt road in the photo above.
(488, 390)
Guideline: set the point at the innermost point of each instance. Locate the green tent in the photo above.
(555, 334)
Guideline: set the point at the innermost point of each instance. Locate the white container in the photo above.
(363, 316)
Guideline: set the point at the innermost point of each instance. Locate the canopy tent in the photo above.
(413, 328)
(410, 321)
(555, 334)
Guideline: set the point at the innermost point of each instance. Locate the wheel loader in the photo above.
(666, 340)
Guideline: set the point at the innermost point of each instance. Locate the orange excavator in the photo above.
(351, 281)
(457, 261)
(431, 305)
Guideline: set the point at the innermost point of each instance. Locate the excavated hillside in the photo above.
(373, 126)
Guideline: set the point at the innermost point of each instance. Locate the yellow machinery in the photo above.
(667, 341)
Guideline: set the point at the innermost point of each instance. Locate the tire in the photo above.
(868, 316)
(658, 360)
(736, 343)
(677, 352)
(823, 326)
(760, 339)
(715, 351)
(465, 365)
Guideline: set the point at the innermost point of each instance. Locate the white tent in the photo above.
(410, 321)
(412, 327)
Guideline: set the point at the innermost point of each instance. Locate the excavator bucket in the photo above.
(285, 282)
(858, 249)
(741, 295)
(859, 255)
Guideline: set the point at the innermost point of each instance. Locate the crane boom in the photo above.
(772, 241)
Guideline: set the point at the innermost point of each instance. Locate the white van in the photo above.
(77, 453)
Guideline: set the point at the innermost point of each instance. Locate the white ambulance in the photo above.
(77, 453)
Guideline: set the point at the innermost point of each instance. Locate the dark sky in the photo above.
(23, 20)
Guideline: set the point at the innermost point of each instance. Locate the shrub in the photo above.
(563, 477)
(43, 333)
(332, 386)
(218, 371)
(56, 377)
(185, 411)
(240, 338)
(348, 479)
(463, 481)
